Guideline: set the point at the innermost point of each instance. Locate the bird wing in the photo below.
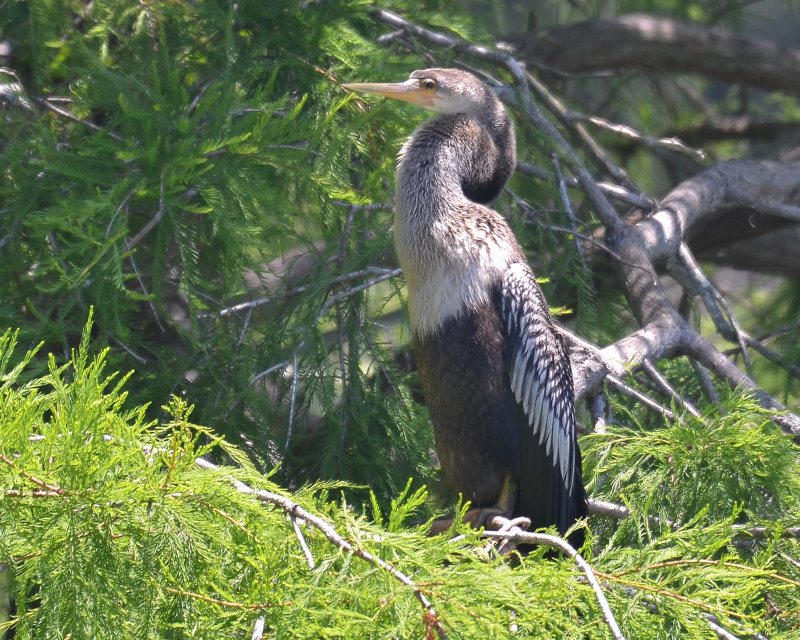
(540, 376)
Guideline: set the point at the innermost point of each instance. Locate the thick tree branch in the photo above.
(652, 43)
(774, 252)
(770, 189)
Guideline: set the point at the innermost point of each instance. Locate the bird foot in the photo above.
(489, 517)
(504, 524)
(483, 516)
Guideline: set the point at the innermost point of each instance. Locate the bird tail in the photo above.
(544, 498)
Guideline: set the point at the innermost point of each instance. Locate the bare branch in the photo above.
(66, 114)
(567, 204)
(667, 388)
(292, 401)
(706, 383)
(769, 354)
(621, 512)
(357, 289)
(718, 629)
(598, 409)
(617, 192)
(626, 131)
(652, 43)
(579, 132)
(303, 544)
(439, 39)
(620, 386)
(723, 317)
(252, 304)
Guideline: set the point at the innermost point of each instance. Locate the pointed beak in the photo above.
(408, 91)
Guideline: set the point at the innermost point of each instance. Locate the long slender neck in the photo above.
(453, 249)
(454, 157)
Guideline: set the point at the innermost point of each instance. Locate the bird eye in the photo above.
(428, 84)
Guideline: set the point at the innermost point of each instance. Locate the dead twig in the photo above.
(668, 389)
(303, 544)
(615, 191)
(294, 510)
(625, 131)
(44, 102)
(621, 512)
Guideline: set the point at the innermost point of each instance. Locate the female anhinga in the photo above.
(495, 373)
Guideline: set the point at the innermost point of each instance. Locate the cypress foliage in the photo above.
(110, 529)
(207, 163)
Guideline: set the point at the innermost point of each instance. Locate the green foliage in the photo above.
(732, 460)
(209, 162)
(108, 528)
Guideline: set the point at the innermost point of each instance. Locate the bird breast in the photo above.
(453, 250)
(453, 265)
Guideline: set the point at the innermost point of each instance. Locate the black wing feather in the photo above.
(550, 485)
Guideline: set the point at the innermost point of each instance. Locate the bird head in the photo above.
(440, 90)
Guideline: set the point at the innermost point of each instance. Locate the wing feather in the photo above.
(533, 418)
(541, 380)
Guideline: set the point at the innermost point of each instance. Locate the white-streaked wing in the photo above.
(539, 370)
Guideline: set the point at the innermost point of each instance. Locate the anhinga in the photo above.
(495, 373)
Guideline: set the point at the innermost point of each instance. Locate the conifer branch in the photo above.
(659, 591)
(621, 512)
(37, 493)
(294, 510)
(45, 102)
(150, 224)
(41, 483)
(518, 536)
(221, 603)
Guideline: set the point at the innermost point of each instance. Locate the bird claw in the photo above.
(505, 525)
(483, 516)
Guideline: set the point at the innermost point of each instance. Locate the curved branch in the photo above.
(770, 188)
(652, 43)
(518, 536)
